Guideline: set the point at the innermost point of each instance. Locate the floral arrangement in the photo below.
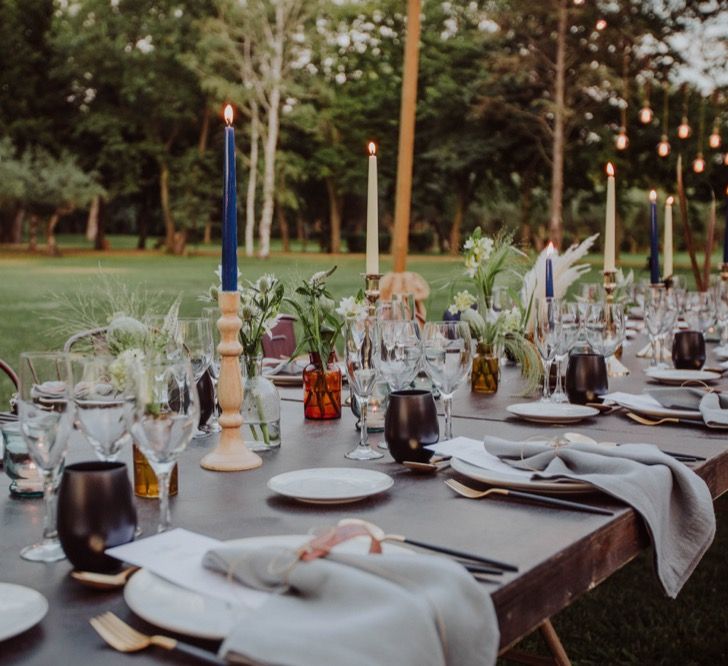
(486, 258)
(317, 315)
(260, 303)
(498, 332)
(623, 286)
(565, 274)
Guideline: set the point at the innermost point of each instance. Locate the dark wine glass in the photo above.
(411, 424)
(688, 350)
(586, 378)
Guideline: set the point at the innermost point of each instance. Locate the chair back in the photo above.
(94, 337)
(281, 341)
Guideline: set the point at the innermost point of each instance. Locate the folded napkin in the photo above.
(674, 502)
(358, 610)
(687, 398)
(714, 410)
(292, 367)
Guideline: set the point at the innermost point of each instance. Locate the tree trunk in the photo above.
(300, 229)
(16, 230)
(334, 215)
(252, 181)
(271, 143)
(92, 221)
(201, 148)
(33, 232)
(51, 243)
(526, 201)
(166, 209)
(403, 198)
(100, 242)
(556, 230)
(457, 221)
(283, 226)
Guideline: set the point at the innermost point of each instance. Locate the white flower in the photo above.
(471, 265)
(462, 301)
(126, 369)
(511, 320)
(485, 247)
(468, 244)
(318, 278)
(350, 309)
(266, 282)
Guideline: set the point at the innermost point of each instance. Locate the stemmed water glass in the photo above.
(701, 310)
(359, 347)
(46, 413)
(447, 353)
(195, 336)
(656, 321)
(546, 337)
(570, 323)
(212, 314)
(605, 327)
(398, 353)
(164, 422)
(103, 394)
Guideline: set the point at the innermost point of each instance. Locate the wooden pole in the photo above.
(406, 138)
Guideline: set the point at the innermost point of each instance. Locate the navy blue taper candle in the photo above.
(549, 272)
(229, 209)
(654, 247)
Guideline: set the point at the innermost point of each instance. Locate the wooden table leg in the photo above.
(553, 643)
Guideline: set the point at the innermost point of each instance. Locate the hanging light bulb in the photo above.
(646, 114)
(601, 25)
(683, 131)
(714, 138)
(622, 141)
(663, 148)
(725, 159)
(699, 164)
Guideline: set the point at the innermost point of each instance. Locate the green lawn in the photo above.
(625, 620)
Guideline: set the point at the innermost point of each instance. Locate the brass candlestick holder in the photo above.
(230, 454)
(724, 272)
(615, 367)
(371, 291)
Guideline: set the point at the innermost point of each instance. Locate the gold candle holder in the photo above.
(230, 454)
(615, 367)
(371, 291)
(724, 272)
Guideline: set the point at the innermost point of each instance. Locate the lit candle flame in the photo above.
(670, 201)
(653, 196)
(549, 249)
(228, 114)
(372, 148)
(610, 169)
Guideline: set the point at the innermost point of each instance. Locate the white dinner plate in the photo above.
(504, 480)
(182, 611)
(285, 380)
(20, 609)
(673, 377)
(330, 485)
(552, 412)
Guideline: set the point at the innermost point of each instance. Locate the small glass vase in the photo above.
(321, 389)
(485, 373)
(261, 408)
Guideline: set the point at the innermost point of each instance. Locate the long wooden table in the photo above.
(560, 554)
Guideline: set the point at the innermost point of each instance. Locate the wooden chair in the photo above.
(12, 375)
(94, 337)
(281, 341)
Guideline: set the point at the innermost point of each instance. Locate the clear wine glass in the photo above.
(103, 394)
(398, 353)
(605, 327)
(195, 336)
(546, 338)
(447, 353)
(212, 314)
(164, 421)
(656, 309)
(722, 312)
(502, 299)
(701, 310)
(46, 413)
(570, 323)
(359, 345)
(392, 310)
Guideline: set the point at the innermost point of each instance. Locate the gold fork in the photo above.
(667, 419)
(120, 636)
(472, 493)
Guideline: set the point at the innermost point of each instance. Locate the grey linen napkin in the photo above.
(288, 367)
(713, 407)
(358, 610)
(674, 502)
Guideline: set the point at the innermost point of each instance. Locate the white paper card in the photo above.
(177, 556)
(473, 451)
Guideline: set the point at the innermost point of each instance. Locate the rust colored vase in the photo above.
(485, 373)
(321, 389)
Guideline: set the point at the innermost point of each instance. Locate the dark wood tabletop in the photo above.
(561, 554)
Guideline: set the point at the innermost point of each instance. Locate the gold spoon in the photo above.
(101, 581)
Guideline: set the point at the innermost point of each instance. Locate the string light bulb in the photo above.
(683, 131)
(699, 164)
(601, 25)
(663, 148)
(622, 140)
(714, 138)
(646, 114)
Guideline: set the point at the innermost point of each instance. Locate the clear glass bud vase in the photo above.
(261, 408)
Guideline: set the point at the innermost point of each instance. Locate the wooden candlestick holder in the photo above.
(724, 272)
(230, 454)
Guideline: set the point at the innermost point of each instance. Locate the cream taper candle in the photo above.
(372, 264)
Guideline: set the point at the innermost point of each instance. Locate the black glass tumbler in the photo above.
(411, 424)
(688, 350)
(586, 378)
(95, 512)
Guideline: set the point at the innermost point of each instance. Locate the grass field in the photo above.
(626, 620)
